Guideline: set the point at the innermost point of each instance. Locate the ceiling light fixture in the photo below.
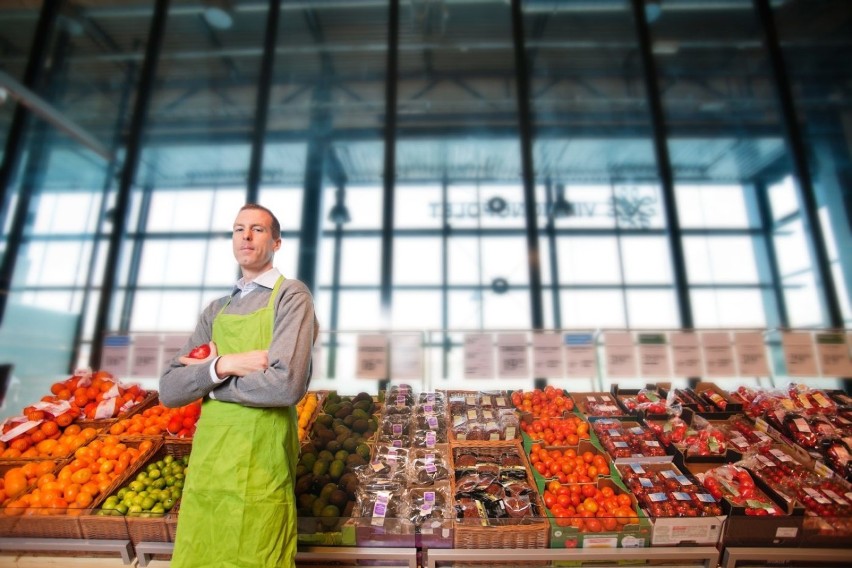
(561, 206)
(339, 214)
(653, 10)
(219, 14)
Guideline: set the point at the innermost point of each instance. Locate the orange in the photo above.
(73, 429)
(49, 428)
(81, 476)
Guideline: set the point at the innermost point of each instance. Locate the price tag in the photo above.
(718, 354)
(799, 354)
(170, 347)
(686, 353)
(372, 357)
(654, 356)
(547, 356)
(580, 359)
(620, 355)
(512, 356)
(145, 361)
(406, 357)
(751, 354)
(116, 355)
(637, 468)
(478, 356)
(834, 355)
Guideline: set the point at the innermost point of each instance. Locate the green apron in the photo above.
(238, 507)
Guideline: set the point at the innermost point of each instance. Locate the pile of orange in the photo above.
(17, 479)
(567, 431)
(85, 394)
(81, 481)
(45, 441)
(589, 508)
(159, 421)
(567, 466)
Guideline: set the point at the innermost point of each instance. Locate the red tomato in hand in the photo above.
(200, 352)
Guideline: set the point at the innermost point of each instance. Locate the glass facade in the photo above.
(670, 150)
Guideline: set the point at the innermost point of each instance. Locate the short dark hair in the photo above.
(276, 226)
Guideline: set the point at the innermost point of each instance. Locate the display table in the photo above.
(82, 546)
(707, 555)
(733, 555)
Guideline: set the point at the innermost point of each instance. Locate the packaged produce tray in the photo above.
(525, 532)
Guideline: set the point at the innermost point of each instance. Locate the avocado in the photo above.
(363, 450)
(318, 506)
(325, 420)
(320, 468)
(361, 426)
(327, 490)
(333, 446)
(325, 455)
(338, 498)
(306, 500)
(350, 444)
(308, 460)
(335, 470)
(349, 419)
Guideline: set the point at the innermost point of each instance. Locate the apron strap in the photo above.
(271, 302)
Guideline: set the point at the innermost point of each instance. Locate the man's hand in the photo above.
(193, 361)
(241, 364)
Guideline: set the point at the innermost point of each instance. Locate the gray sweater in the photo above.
(286, 380)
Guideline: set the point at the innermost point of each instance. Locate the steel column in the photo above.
(261, 112)
(525, 125)
(389, 175)
(801, 169)
(554, 257)
(664, 166)
(128, 176)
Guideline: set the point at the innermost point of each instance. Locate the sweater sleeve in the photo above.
(286, 379)
(181, 384)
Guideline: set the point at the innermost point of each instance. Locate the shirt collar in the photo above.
(267, 280)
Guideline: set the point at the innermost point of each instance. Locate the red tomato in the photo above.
(200, 352)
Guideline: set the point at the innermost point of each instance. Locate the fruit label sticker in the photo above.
(547, 356)
(620, 354)
(53, 408)
(803, 399)
(431, 439)
(487, 415)
(20, 429)
(705, 498)
(669, 474)
(431, 467)
(478, 356)
(397, 443)
(682, 479)
(657, 497)
(765, 461)
(681, 496)
(835, 497)
(645, 482)
(427, 409)
(613, 433)
(718, 354)
(432, 421)
(799, 354)
(654, 356)
(428, 502)
(762, 436)
(802, 425)
(378, 466)
(510, 432)
(397, 429)
(501, 401)
(834, 355)
(400, 400)
(652, 443)
(106, 409)
(620, 444)
(372, 357)
(817, 496)
(740, 442)
(580, 359)
(751, 354)
(686, 354)
(470, 400)
(471, 415)
(637, 431)
(637, 468)
(607, 408)
(780, 456)
(380, 508)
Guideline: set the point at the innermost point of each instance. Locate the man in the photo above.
(238, 507)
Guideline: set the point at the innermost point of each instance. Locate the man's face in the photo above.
(254, 246)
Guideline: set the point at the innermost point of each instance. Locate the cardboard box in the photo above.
(621, 395)
(603, 399)
(743, 530)
(627, 536)
(626, 425)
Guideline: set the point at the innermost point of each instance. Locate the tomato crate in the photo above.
(742, 529)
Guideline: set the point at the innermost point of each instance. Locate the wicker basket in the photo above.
(510, 533)
(136, 529)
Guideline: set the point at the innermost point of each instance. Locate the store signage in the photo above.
(372, 357)
(580, 359)
(834, 355)
(406, 357)
(171, 346)
(146, 356)
(654, 356)
(547, 356)
(478, 356)
(116, 355)
(512, 356)
(620, 354)
(718, 354)
(686, 353)
(751, 354)
(799, 354)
